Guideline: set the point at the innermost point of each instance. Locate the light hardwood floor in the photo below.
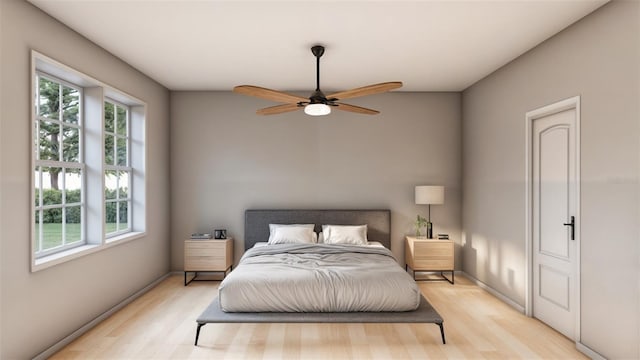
(161, 324)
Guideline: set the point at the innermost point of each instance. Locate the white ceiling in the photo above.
(214, 45)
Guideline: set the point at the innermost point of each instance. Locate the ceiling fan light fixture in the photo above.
(317, 109)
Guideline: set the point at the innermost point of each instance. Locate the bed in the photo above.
(334, 283)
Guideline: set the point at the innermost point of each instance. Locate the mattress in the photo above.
(318, 278)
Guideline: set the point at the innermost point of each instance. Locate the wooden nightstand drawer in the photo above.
(433, 249)
(204, 251)
(206, 263)
(433, 264)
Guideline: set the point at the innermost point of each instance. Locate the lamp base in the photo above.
(429, 230)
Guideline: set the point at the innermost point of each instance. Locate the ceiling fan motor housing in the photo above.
(317, 50)
(318, 98)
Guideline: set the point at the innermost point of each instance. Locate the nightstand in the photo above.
(207, 256)
(430, 255)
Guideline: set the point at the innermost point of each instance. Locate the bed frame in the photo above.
(378, 229)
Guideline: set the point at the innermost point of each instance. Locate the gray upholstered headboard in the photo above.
(256, 222)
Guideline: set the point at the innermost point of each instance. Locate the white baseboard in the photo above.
(494, 292)
(91, 324)
(587, 351)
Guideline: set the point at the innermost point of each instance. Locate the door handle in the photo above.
(573, 227)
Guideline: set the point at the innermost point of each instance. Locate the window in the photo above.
(89, 165)
(59, 170)
(117, 170)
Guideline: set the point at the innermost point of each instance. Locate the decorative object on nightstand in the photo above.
(419, 224)
(429, 195)
(201, 236)
(430, 255)
(220, 233)
(207, 255)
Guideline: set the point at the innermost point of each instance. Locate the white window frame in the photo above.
(39, 163)
(93, 95)
(120, 168)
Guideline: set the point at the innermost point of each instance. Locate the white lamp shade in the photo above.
(429, 195)
(317, 109)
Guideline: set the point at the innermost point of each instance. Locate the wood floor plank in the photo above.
(161, 325)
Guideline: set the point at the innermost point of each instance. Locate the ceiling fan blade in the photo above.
(356, 109)
(268, 94)
(279, 109)
(366, 90)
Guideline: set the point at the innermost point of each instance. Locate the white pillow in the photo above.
(345, 234)
(320, 238)
(293, 235)
(272, 228)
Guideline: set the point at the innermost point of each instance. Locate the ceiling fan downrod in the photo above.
(317, 51)
(318, 96)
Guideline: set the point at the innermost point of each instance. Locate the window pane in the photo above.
(49, 98)
(121, 122)
(108, 150)
(70, 104)
(73, 186)
(110, 184)
(49, 141)
(36, 182)
(51, 194)
(73, 227)
(108, 117)
(52, 228)
(36, 140)
(111, 217)
(122, 151)
(52, 216)
(123, 215)
(123, 184)
(71, 144)
(36, 232)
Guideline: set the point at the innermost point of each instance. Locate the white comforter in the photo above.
(318, 278)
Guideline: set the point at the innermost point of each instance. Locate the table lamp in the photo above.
(429, 195)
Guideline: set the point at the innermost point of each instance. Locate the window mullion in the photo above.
(40, 211)
(60, 126)
(37, 121)
(117, 202)
(128, 142)
(41, 232)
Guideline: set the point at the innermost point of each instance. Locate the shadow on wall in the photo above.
(498, 264)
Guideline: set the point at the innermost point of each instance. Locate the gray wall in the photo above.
(38, 309)
(599, 59)
(226, 159)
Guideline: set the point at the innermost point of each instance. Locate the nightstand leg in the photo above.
(453, 278)
(195, 275)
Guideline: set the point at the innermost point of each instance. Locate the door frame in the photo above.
(530, 117)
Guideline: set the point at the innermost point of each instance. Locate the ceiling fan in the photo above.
(317, 104)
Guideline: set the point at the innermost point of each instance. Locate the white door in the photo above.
(554, 206)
